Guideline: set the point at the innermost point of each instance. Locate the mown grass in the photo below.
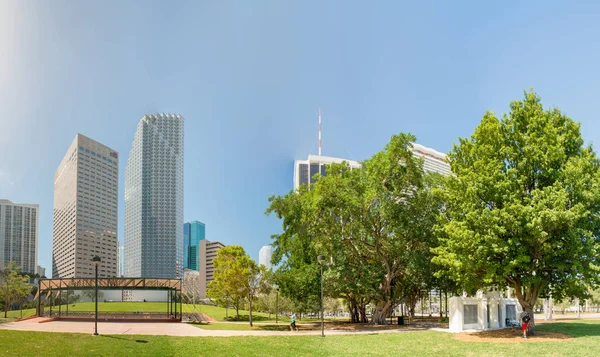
(421, 343)
(216, 312)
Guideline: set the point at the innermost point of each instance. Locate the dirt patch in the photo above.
(510, 336)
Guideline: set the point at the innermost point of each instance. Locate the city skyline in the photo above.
(251, 95)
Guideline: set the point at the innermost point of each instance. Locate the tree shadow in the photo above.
(124, 339)
(247, 318)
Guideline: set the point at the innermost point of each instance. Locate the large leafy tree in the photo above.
(523, 206)
(14, 287)
(373, 222)
(237, 278)
(296, 249)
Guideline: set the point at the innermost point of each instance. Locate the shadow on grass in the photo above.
(247, 318)
(275, 328)
(124, 339)
(576, 329)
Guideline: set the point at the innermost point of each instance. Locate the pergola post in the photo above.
(50, 300)
(59, 294)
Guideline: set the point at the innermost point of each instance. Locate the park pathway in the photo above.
(166, 329)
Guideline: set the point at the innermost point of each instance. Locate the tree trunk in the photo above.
(527, 301)
(237, 311)
(5, 310)
(250, 311)
(362, 311)
(381, 313)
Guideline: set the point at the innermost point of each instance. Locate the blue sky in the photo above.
(249, 77)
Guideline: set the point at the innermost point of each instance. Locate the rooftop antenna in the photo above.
(319, 131)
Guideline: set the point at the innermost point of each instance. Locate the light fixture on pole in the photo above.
(96, 260)
(321, 260)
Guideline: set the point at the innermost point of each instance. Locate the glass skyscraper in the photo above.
(193, 233)
(154, 199)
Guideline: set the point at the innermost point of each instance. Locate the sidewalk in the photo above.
(166, 329)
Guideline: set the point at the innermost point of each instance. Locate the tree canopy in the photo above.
(14, 287)
(374, 223)
(522, 206)
(236, 278)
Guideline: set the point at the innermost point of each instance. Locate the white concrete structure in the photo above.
(264, 256)
(433, 160)
(482, 312)
(154, 199)
(304, 170)
(19, 226)
(85, 210)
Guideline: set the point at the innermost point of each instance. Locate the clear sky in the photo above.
(249, 77)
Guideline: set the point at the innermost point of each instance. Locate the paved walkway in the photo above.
(166, 329)
(183, 329)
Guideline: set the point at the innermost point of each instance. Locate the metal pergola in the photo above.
(53, 288)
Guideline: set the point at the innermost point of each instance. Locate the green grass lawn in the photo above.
(417, 343)
(218, 313)
(17, 313)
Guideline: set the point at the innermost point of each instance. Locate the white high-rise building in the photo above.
(433, 160)
(304, 170)
(85, 211)
(19, 235)
(264, 256)
(154, 199)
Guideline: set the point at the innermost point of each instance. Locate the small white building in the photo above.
(482, 312)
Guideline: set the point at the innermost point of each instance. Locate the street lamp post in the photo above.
(276, 305)
(321, 260)
(96, 260)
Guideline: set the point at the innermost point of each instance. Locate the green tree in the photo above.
(14, 287)
(523, 206)
(237, 278)
(375, 223)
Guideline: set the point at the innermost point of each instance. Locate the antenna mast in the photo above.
(319, 131)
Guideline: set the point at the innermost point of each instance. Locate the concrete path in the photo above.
(166, 329)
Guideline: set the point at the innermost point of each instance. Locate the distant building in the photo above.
(264, 256)
(154, 199)
(433, 160)
(19, 235)
(193, 233)
(211, 253)
(41, 271)
(85, 210)
(305, 170)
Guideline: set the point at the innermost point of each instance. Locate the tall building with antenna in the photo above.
(305, 170)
